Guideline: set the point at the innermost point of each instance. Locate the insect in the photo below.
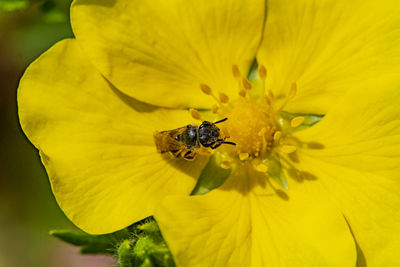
(187, 141)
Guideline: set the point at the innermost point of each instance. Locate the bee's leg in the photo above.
(217, 143)
(176, 153)
(189, 155)
(220, 142)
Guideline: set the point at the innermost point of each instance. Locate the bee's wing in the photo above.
(165, 140)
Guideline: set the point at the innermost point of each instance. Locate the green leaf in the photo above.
(275, 170)
(91, 244)
(212, 176)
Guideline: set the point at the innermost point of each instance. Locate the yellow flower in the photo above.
(77, 104)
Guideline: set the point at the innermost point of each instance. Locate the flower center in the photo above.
(251, 127)
(255, 124)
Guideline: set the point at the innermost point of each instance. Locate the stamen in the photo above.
(262, 168)
(223, 98)
(243, 156)
(277, 136)
(271, 94)
(288, 149)
(297, 121)
(262, 72)
(226, 164)
(195, 114)
(262, 131)
(214, 109)
(246, 84)
(242, 93)
(206, 89)
(293, 91)
(269, 102)
(236, 72)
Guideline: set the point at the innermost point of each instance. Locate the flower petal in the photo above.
(97, 144)
(327, 47)
(161, 51)
(354, 153)
(246, 223)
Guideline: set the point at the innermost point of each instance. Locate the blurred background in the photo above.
(28, 210)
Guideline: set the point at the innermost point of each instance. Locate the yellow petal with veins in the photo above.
(354, 153)
(160, 51)
(327, 47)
(97, 144)
(247, 223)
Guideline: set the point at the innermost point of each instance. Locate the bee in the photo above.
(187, 141)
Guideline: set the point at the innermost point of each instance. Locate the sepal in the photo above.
(91, 244)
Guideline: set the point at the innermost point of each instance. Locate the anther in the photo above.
(214, 109)
(243, 156)
(288, 149)
(206, 89)
(246, 84)
(225, 164)
(262, 168)
(195, 114)
(242, 93)
(262, 72)
(277, 136)
(297, 121)
(236, 72)
(223, 98)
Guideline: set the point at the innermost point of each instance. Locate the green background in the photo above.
(28, 210)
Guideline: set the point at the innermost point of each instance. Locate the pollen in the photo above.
(226, 164)
(277, 136)
(223, 98)
(250, 127)
(206, 89)
(195, 114)
(254, 131)
(262, 167)
(214, 109)
(297, 121)
(243, 156)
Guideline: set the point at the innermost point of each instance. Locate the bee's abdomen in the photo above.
(162, 142)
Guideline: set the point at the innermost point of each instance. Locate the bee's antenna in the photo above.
(229, 143)
(220, 121)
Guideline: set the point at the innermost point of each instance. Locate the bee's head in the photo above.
(208, 133)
